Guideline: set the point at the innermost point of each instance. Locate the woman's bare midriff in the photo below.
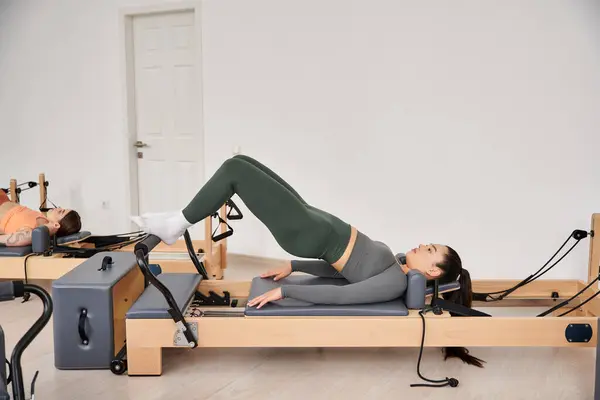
(341, 263)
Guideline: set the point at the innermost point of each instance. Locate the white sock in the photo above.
(168, 226)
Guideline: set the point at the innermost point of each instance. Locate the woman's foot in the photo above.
(168, 226)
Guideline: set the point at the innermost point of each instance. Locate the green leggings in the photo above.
(300, 229)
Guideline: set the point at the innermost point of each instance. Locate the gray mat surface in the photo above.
(292, 307)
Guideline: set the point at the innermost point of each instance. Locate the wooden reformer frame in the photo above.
(145, 338)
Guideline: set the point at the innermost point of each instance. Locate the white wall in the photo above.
(461, 123)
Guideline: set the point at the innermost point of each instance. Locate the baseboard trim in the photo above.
(248, 258)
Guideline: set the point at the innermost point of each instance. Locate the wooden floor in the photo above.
(215, 374)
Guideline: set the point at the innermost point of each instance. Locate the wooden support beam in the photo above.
(43, 191)
(539, 289)
(223, 243)
(592, 307)
(13, 191)
(208, 243)
(594, 260)
(38, 267)
(363, 331)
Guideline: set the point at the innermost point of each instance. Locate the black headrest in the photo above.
(76, 237)
(446, 287)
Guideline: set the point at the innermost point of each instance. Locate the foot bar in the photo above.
(141, 252)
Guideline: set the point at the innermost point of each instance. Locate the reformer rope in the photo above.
(582, 304)
(564, 303)
(577, 234)
(31, 185)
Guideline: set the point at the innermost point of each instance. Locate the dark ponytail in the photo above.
(452, 265)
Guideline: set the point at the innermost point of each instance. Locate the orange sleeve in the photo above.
(3, 197)
(19, 218)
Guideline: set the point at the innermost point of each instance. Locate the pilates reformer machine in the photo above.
(115, 311)
(48, 260)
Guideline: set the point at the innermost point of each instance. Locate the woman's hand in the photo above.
(271, 295)
(279, 273)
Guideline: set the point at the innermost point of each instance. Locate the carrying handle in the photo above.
(106, 262)
(82, 334)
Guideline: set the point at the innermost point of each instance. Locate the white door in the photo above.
(169, 147)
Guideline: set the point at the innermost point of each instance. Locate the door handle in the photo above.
(140, 144)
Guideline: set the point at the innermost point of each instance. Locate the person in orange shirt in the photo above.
(17, 222)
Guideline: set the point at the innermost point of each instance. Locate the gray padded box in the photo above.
(293, 307)
(90, 303)
(153, 305)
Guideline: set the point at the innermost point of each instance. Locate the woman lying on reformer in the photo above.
(17, 222)
(337, 249)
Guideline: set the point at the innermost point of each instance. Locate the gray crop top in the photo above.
(372, 272)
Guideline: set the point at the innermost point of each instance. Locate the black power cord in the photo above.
(452, 382)
(26, 295)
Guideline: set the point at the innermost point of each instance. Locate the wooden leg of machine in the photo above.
(209, 257)
(594, 258)
(13, 191)
(223, 246)
(597, 371)
(42, 186)
(215, 256)
(144, 360)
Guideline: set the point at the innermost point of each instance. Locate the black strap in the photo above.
(235, 208)
(223, 235)
(238, 215)
(9, 379)
(81, 328)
